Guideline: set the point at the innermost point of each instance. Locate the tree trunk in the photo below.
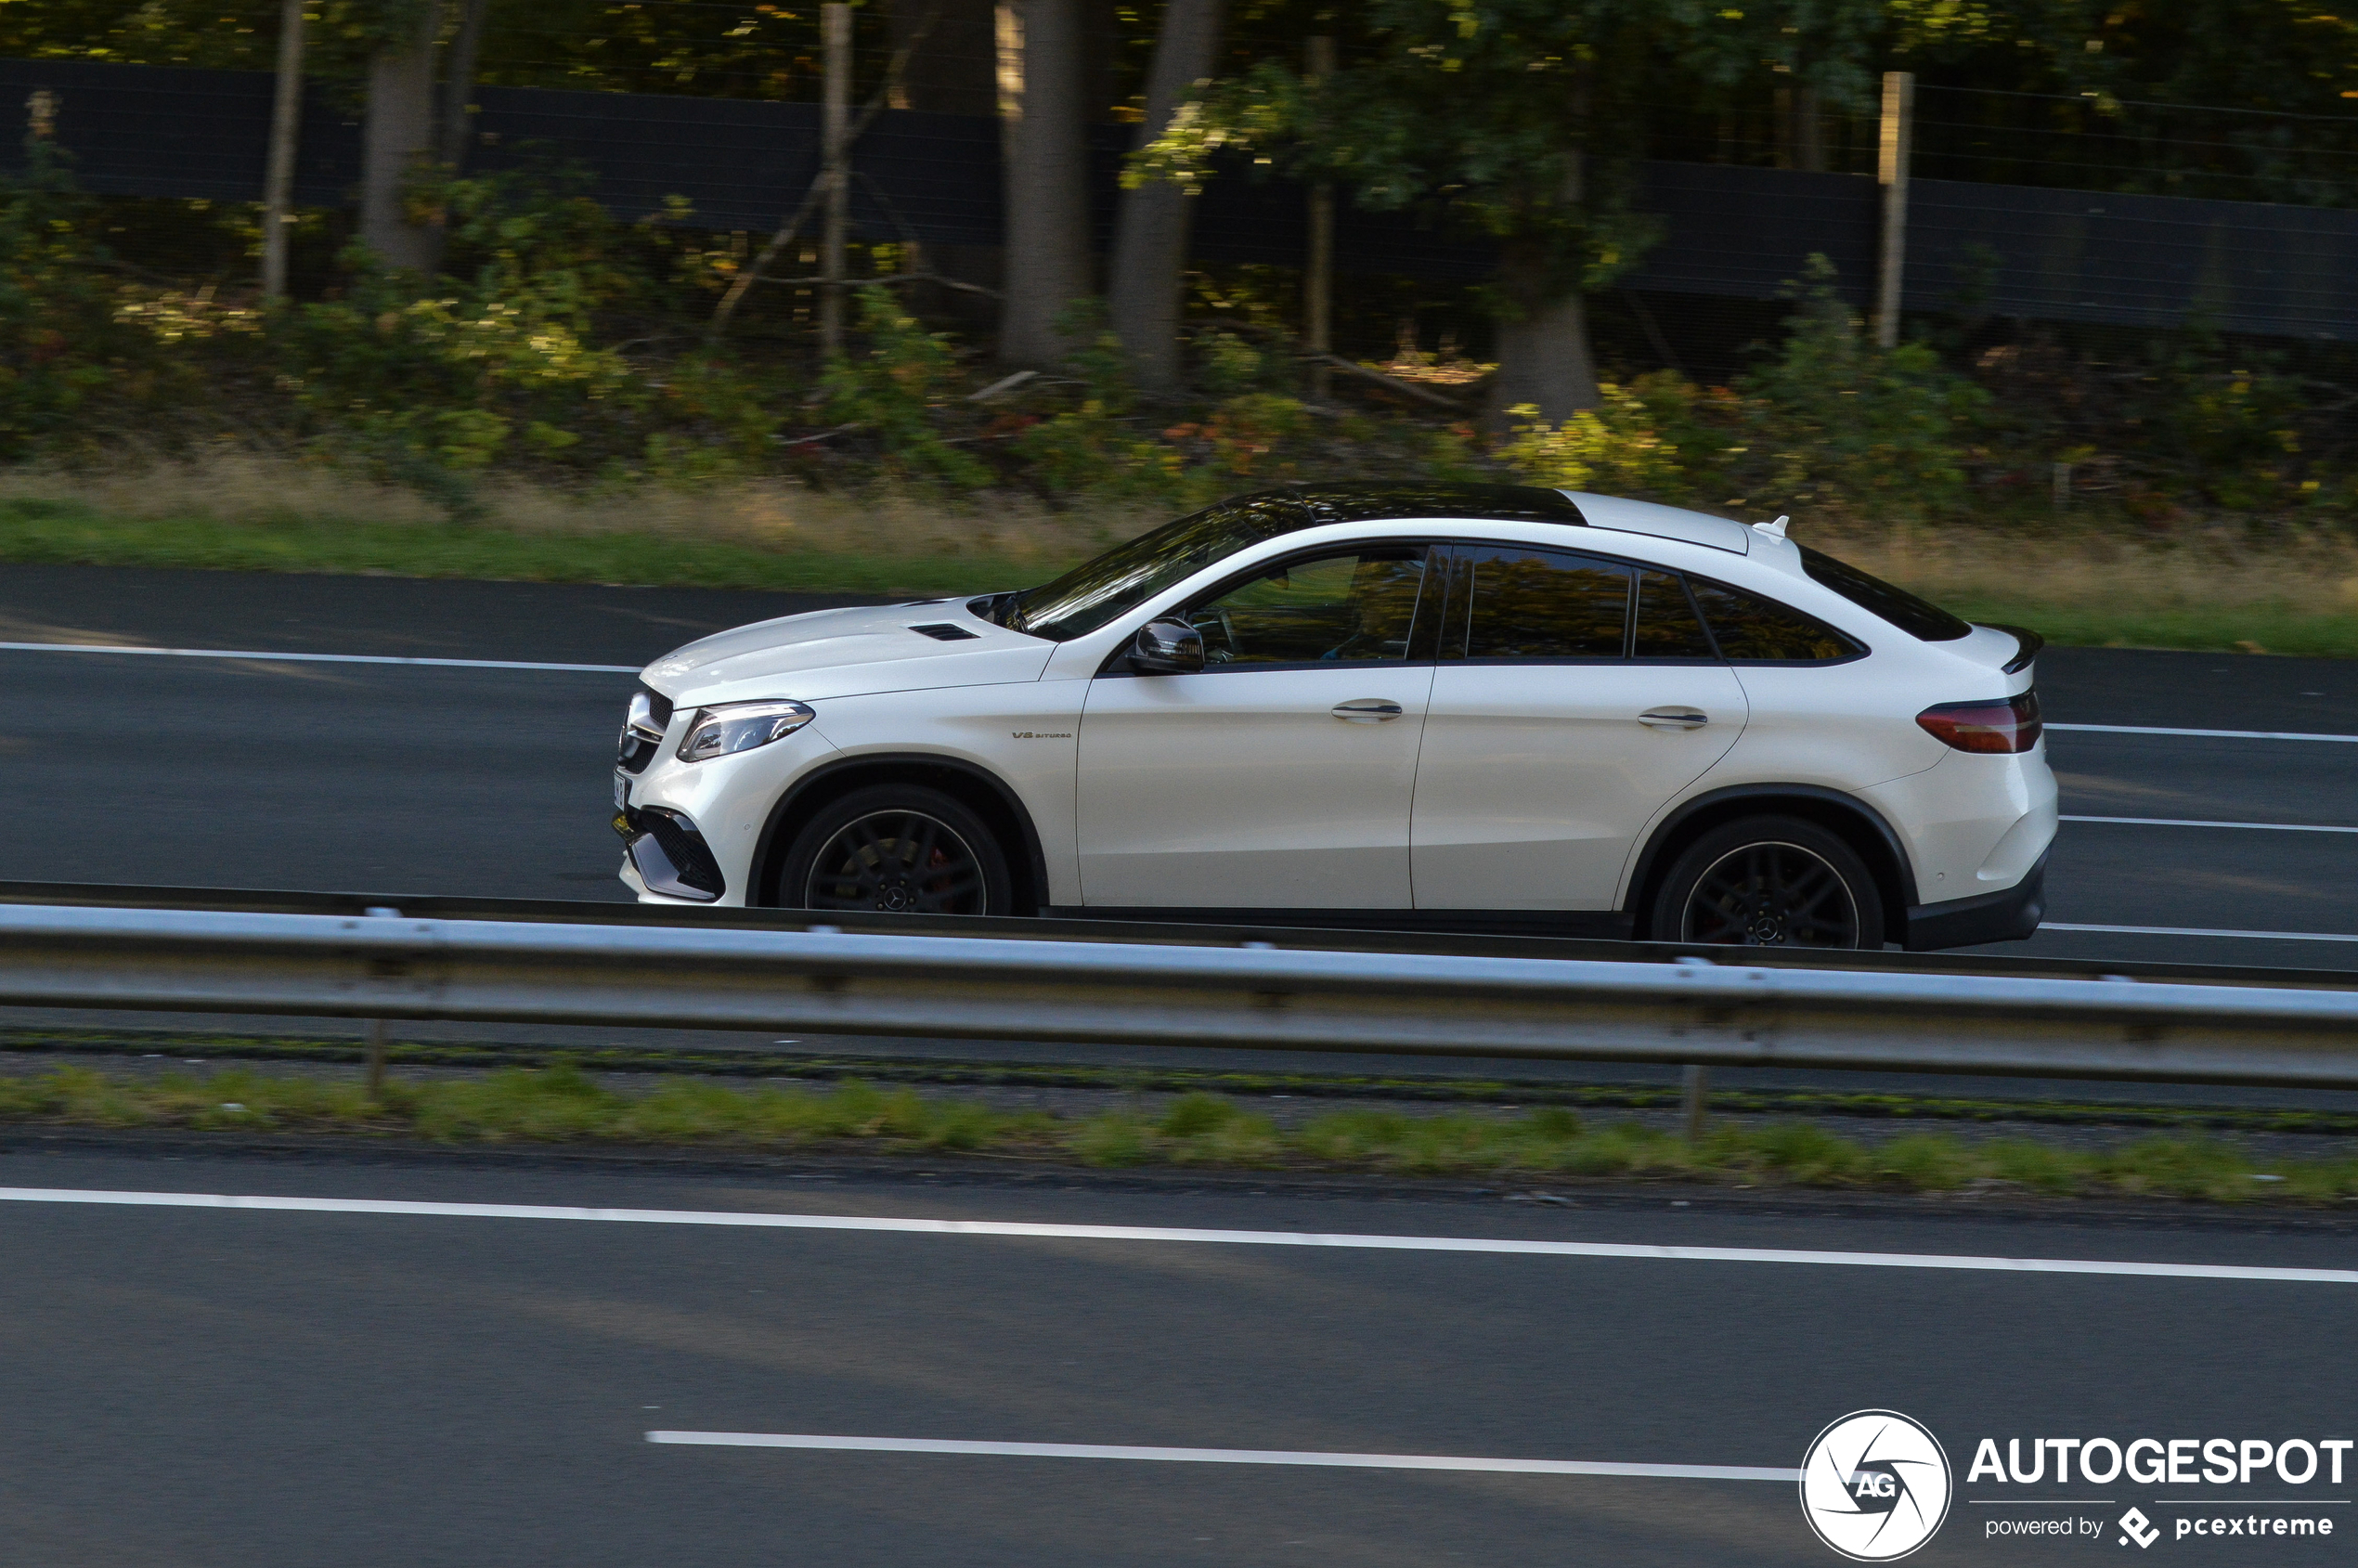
(396, 139)
(953, 70)
(286, 120)
(950, 70)
(1042, 122)
(835, 152)
(459, 84)
(1542, 341)
(1150, 234)
(1808, 130)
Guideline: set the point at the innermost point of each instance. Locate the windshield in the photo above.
(1095, 591)
(1926, 622)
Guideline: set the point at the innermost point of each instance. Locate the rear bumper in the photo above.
(2005, 916)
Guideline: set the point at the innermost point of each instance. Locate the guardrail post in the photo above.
(377, 1027)
(376, 1059)
(1696, 1083)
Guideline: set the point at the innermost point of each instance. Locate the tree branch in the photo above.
(824, 182)
(1396, 383)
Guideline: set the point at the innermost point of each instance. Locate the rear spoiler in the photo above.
(2028, 643)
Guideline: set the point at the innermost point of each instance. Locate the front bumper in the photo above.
(2005, 916)
(670, 854)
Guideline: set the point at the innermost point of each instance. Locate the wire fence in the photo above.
(2102, 219)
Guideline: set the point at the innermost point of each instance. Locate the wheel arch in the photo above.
(979, 789)
(1857, 823)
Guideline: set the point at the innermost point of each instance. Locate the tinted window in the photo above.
(1541, 605)
(1752, 629)
(1667, 626)
(1355, 606)
(1901, 608)
(1095, 591)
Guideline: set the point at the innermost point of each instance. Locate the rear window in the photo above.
(1751, 629)
(1918, 618)
(1666, 625)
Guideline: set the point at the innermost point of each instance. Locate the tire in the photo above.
(1769, 882)
(861, 854)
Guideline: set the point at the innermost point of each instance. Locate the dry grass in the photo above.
(2089, 581)
(2312, 572)
(243, 489)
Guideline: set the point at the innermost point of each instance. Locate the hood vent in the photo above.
(942, 631)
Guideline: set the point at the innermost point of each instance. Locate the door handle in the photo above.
(1368, 710)
(1674, 719)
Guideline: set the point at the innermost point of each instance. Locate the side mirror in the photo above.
(1166, 648)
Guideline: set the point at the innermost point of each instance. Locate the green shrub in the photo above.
(62, 345)
(1836, 419)
(1650, 439)
(895, 394)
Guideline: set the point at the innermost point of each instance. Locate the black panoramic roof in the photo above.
(1376, 503)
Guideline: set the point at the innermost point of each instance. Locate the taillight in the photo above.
(1992, 728)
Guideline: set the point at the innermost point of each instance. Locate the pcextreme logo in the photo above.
(1875, 1485)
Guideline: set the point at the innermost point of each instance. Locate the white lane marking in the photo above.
(312, 659)
(1220, 1455)
(1508, 1245)
(2189, 822)
(2205, 735)
(2202, 931)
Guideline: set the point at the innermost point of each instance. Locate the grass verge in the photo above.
(1510, 1092)
(564, 1105)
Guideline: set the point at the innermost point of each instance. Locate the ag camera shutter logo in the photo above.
(1875, 1485)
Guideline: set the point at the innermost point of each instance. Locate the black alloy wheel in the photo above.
(1769, 882)
(892, 850)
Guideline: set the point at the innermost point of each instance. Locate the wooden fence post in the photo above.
(1891, 171)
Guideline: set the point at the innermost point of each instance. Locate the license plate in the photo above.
(621, 790)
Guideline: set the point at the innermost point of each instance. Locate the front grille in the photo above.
(643, 731)
(687, 869)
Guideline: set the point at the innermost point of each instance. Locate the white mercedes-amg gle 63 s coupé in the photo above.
(1463, 707)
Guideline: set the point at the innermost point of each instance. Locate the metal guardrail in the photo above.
(1354, 931)
(1688, 1011)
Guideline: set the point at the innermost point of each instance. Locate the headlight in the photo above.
(735, 727)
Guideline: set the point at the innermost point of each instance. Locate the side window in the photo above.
(1755, 631)
(1540, 605)
(1667, 627)
(1355, 606)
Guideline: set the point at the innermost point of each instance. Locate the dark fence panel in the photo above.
(1746, 233)
(2140, 261)
(1726, 231)
(140, 130)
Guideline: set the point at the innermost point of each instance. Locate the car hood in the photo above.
(849, 654)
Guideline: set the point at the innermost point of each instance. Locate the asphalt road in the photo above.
(197, 1386)
(494, 782)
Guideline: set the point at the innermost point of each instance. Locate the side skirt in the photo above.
(1611, 924)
